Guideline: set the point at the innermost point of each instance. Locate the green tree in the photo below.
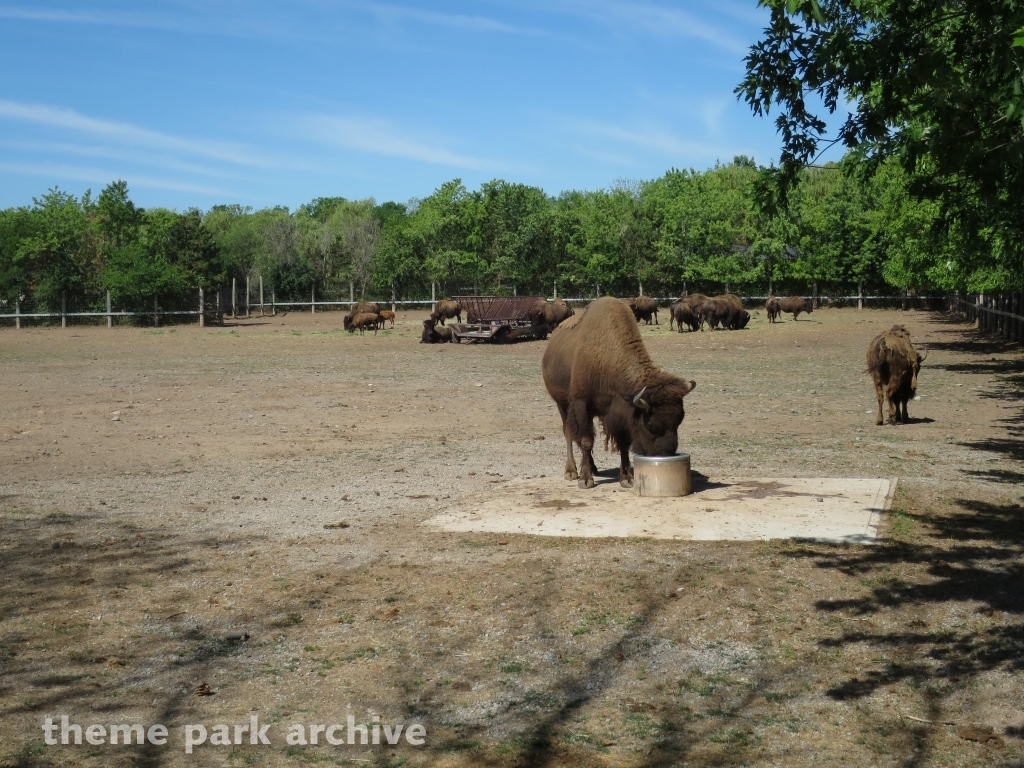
(937, 86)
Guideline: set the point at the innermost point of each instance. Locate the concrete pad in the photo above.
(840, 510)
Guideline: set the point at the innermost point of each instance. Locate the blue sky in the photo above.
(260, 103)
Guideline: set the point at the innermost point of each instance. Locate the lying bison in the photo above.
(644, 308)
(439, 334)
(446, 310)
(549, 314)
(796, 305)
(894, 364)
(600, 367)
(362, 322)
(358, 307)
(772, 309)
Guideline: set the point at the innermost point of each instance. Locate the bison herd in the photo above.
(596, 366)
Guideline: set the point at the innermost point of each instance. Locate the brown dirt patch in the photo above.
(215, 503)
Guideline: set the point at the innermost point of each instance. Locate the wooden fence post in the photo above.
(248, 313)
(110, 320)
(273, 303)
(17, 312)
(312, 304)
(556, 288)
(860, 295)
(234, 299)
(433, 291)
(202, 309)
(63, 309)
(392, 297)
(262, 312)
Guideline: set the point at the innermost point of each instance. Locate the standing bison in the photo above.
(894, 364)
(772, 309)
(549, 314)
(362, 321)
(687, 310)
(600, 367)
(725, 310)
(357, 308)
(644, 308)
(446, 310)
(796, 305)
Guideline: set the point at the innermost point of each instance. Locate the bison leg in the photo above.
(894, 412)
(906, 417)
(880, 393)
(625, 470)
(581, 424)
(570, 460)
(656, 318)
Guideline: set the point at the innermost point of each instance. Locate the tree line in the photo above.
(687, 230)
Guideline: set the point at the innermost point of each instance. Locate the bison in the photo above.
(362, 321)
(894, 365)
(446, 310)
(688, 309)
(384, 316)
(550, 314)
(772, 308)
(725, 310)
(600, 367)
(796, 305)
(644, 308)
(433, 334)
(359, 306)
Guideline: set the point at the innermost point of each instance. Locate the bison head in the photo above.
(657, 412)
(916, 368)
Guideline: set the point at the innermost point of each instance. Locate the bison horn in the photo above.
(639, 402)
(922, 355)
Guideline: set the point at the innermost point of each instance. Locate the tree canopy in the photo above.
(937, 87)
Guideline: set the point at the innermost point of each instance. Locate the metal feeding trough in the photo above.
(662, 475)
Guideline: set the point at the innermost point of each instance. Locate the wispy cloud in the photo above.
(105, 18)
(474, 23)
(57, 117)
(381, 137)
(139, 156)
(659, 20)
(54, 171)
(649, 138)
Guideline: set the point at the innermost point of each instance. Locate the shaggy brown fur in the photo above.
(446, 310)
(435, 334)
(384, 316)
(796, 305)
(772, 308)
(360, 306)
(549, 314)
(362, 321)
(600, 368)
(681, 313)
(725, 310)
(644, 308)
(894, 365)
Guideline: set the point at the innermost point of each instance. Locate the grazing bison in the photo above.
(772, 308)
(550, 314)
(436, 334)
(894, 365)
(681, 313)
(688, 308)
(360, 306)
(446, 310)
(644, 308)
(362, 321)
(796, 305)
(600, 367)
(725, 310)
(384, 316)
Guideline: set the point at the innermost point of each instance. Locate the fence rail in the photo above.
(998, 315)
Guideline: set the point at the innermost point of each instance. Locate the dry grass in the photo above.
(254, 481)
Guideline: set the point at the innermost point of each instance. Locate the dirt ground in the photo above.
(161, 488)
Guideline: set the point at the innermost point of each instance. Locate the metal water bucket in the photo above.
(662, 475)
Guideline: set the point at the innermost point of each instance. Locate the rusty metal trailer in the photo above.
(500, 319)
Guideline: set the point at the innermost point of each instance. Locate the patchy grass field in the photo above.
(161, 488)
